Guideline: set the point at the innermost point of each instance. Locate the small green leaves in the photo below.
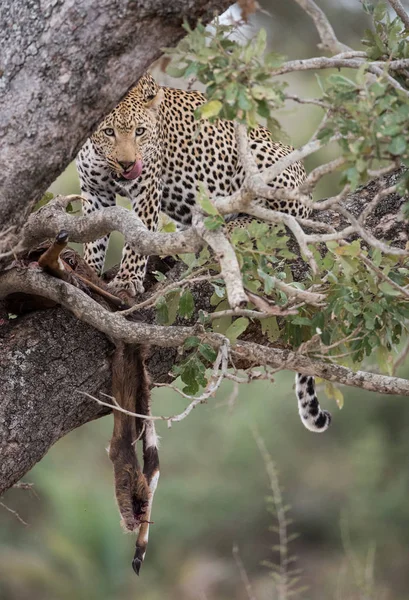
(192, 370)
(364, 308)
(238, 78)
(371, 114)
(215, 220)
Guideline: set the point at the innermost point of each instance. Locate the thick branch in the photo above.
(52, 218)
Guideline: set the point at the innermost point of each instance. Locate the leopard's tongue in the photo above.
(134, 172)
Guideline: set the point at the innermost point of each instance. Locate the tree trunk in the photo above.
(64, 65)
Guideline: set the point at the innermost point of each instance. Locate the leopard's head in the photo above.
(128, 135)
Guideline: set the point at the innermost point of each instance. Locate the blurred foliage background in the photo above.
(347, 489)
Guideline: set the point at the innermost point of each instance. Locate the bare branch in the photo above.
(226, 256)
(370, 207)
(246, 156)
(314, 101)
(312, 179)
(287, 359)
(312, 146)
(252, 314)
(327, 35)
(378, 68)
(333, 201)
(33, 281)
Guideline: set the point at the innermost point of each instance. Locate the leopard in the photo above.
(152, 150)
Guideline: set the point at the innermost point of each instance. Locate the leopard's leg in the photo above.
(94, 252)
(97, 189)
(131, 274)
(312, 416)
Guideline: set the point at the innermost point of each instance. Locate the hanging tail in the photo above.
(312, 416)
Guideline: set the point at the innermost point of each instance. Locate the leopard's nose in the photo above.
(126, 164)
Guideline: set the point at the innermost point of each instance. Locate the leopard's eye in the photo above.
(109, 131)
(140, 130)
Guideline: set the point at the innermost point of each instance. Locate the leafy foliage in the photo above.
(372, 114)
(366, 309)
(237, 76)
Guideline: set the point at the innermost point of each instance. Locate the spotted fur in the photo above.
(151, 150)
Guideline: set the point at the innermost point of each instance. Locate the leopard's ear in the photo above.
(154, 102)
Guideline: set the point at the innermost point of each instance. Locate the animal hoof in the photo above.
(136, 565)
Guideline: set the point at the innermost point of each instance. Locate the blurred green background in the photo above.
(348, 488)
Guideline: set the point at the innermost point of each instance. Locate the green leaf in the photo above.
(335, 394)
(162, 314)
(175, 71)
(208, 352)
(204, 202)
(238, 327)
(210, 109)
(270, 328)
(186, 304)
(341, 82)
(260, 42)
(213, 222)
(189, 377)
(397, 145)
(44, 200)
(191, 342)
(388, 289)
(379, 11)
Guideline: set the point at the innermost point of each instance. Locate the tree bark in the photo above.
(48, 357)
(64, 65)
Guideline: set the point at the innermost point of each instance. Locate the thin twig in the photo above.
(243, 573)
(165, 290)
(14, 513)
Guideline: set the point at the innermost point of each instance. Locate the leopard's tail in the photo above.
(312, 416)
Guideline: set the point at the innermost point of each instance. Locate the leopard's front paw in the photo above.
(126, 287)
